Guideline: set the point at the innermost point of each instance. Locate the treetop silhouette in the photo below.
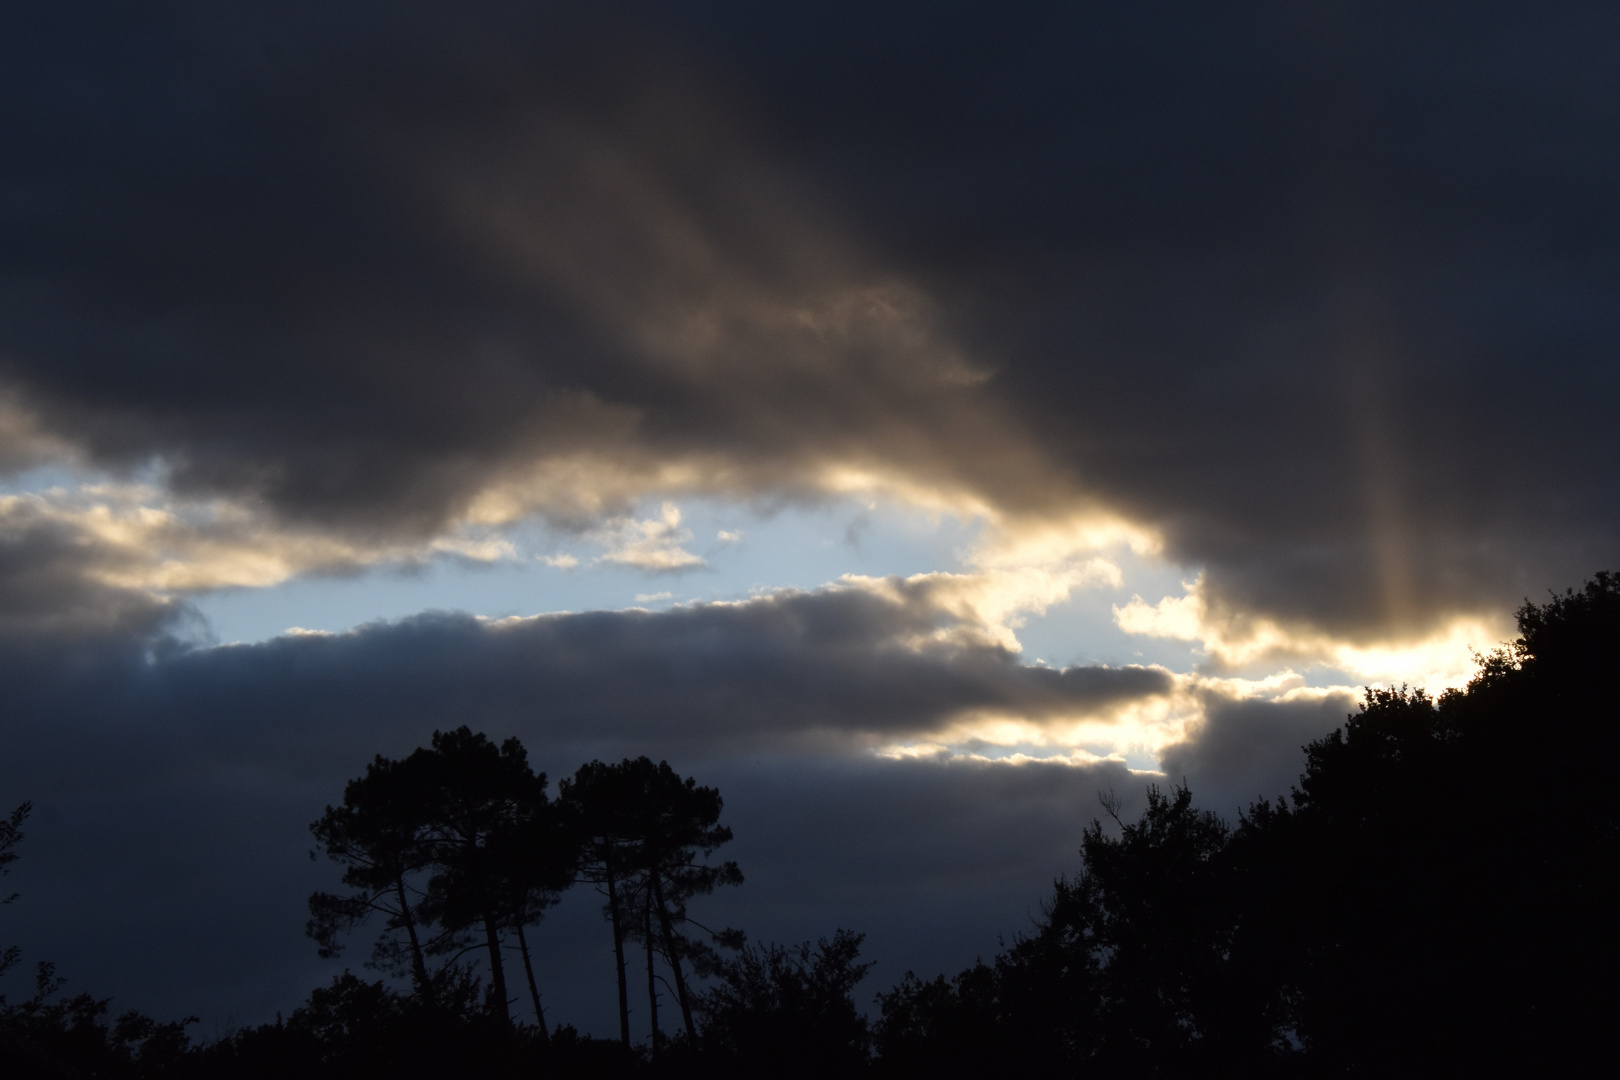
(644, 833)
(459, 835)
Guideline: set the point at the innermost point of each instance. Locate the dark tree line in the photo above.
(1432, 898)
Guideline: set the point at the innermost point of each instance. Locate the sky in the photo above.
(914, 420)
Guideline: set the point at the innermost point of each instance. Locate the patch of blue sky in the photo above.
(1082, 630)
(746, 550)
(786, 547)
(41, 478)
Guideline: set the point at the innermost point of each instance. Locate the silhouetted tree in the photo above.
(1154, 904)
(598, 803)
(10, 836)
(496, 844)
(474, 821)
(532, 856)
(787, 1011)
(968, 1026)
(1120, 973)
(1408, 909)
(678, 823)
(1439, 883)
(355, 1028)
(380, 835)
(48, 1035)
(352, 1029)
(648, 830)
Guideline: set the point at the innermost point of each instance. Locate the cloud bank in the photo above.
(386, 275)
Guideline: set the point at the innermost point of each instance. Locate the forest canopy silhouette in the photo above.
(1394, 912)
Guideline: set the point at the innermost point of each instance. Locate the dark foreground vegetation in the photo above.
(1434, 897)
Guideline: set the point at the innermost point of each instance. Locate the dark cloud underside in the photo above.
(1249, 750)
(1325, 293)
(830, 667)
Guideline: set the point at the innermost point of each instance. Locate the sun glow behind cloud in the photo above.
(1441, 658)
(1128, 731)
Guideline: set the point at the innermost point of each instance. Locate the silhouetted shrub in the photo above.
(787, 1010)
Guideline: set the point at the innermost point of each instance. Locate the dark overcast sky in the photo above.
(1313, 304)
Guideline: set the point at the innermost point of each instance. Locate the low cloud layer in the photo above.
(843, 668)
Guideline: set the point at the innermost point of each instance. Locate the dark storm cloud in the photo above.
(368, 278)
(1326, 293)
(51, 600)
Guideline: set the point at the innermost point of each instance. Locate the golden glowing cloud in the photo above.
(1440, 658)
(653, 544)
(133, 536)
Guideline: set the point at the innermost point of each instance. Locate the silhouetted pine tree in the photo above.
(380, 837)
(647, 833)
(498, 848)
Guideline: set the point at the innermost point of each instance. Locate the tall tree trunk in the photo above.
(652, 981)
(534, 991)
(424, 988)
(618, 954)
(673, 955)
(497, 974)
